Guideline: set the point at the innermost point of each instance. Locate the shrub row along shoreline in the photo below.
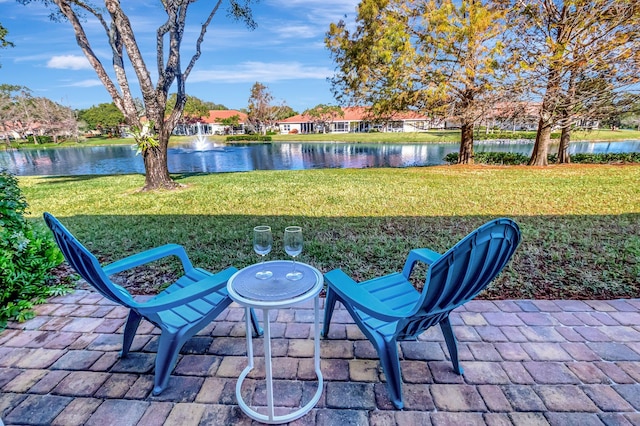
(515, 159)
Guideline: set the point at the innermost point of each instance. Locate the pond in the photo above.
(207, 157)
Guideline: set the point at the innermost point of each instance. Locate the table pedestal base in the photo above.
(270, 417)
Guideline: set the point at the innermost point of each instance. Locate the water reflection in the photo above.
(209, 158)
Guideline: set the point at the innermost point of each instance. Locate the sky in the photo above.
(286, 52)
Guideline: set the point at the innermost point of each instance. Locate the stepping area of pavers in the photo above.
(526, 362)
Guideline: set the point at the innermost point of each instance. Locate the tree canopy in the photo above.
(262, 112)
(105, 117)
(576, 54)
(3, 38)
(194, 108)
(31, 116)
(439, 57)
(323, 115)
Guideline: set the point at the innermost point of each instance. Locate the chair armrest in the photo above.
(351, 293)
(424, 255)
(187, 294)
(148, 256)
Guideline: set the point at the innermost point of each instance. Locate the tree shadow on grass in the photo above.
(560, 257)
(63, 179)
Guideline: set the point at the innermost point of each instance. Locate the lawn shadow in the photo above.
(578, 257)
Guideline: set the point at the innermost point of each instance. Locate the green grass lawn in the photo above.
(580, 224)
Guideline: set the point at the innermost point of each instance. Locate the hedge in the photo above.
(28, 253)
(510, 158)
(249, 138)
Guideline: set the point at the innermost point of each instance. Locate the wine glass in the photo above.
(262, 242)
(293, 247)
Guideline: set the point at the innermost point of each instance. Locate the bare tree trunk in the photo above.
(565, 121)
(543, 136)
(547, 114)
(541, 147)
(157, 172)
(563, 150)
(466, 144)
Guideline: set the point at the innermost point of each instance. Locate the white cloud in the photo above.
(320, 12)
(30, 58)
(85, 83)
(69, 62)
(250, 72)
(298, 31)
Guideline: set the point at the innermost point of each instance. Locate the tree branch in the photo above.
(203, 30)
(123, 25)
(83, 43)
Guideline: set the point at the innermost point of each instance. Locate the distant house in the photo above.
(13, 130)
(525, 116)
(356, 119)
(215, 118)
(212, 124)
(513, 116)
(506, 116)
(8, 132)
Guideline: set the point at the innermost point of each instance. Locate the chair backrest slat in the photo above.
(486, 270)
(85, 263)
(468, 267)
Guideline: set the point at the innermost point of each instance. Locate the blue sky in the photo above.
(286, 52)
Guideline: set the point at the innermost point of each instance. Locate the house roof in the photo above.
(356, 114)
(220, 114)
(515, 109)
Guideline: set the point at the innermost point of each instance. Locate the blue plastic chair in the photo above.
(389, 308)
(180, 311)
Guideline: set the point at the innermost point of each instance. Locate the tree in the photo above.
(262, 114)
(7, 109)
(121, 39)
(231, 122)
(212, 106)
(579, 51)
(589, 99)
(630, 115)
(284, 111)
(323, 115)
(439, 57)
(26, 115)
(23, 113)
(194, 108)
(259, 108)
(53, 119)
(3, 40)
(105, 117)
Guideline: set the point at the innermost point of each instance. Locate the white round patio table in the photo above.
(275, 293)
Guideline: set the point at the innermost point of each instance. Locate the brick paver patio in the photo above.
(526, 362)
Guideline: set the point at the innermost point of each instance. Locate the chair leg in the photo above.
(329, 304)
(168, 350)
(133, 320)
(450, 339)
(388, 353)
